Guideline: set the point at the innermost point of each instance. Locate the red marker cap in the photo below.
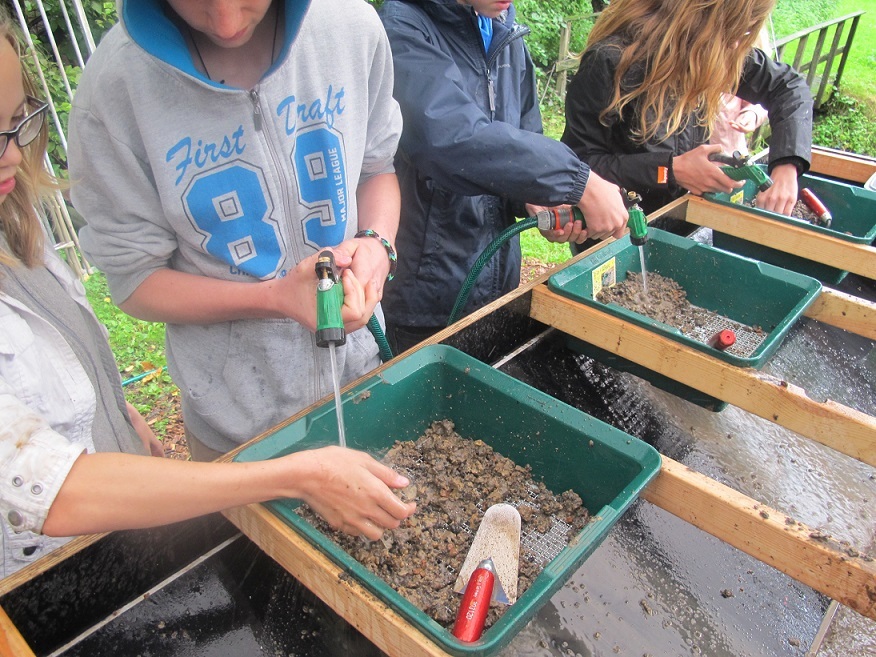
(722, 340)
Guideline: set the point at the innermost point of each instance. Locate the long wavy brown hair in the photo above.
(691, 51)
(19, 220)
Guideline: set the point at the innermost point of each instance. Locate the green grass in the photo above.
(138, 347)
(846, 121)
(859, 78)
(848, 125)
(533, 245)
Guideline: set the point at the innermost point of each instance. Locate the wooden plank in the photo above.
(809, 556)
(839, 164)
(857, 258)
(12, 644)
(829, 423)
(844, 311)
(828, 66)
(816, 56)
(364, 611)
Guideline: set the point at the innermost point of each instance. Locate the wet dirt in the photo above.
(454, 480)
(666, 301)
(802, 211)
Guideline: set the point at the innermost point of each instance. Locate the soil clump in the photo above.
(454, 480)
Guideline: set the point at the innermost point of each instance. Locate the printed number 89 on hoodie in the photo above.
(231, 208)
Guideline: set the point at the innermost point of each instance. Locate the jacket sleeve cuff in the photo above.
(579, 185)
(36, 471)
(801, 164)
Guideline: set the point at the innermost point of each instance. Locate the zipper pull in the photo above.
(491, 94)
(256, 109)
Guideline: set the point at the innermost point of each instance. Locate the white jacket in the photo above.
(47, 404)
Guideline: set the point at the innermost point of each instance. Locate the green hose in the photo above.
(550, 219)
(380, 338)
(483, 259)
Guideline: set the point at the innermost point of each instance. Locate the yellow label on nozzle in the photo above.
(605, 275)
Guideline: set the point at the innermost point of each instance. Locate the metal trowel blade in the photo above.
(497, 538)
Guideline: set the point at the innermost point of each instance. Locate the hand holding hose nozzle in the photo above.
(557, 218)
(549, 219)
(738, 167)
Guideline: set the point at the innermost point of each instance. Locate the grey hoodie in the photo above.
(173, 170)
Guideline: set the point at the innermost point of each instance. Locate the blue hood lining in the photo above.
(151, 29)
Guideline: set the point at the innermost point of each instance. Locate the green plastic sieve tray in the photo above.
(854, 220)
(566, 449)
(747, 291)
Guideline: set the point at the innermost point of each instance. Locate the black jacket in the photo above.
(471, 153)
(615, 156)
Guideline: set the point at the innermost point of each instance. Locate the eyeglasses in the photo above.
(29, 127)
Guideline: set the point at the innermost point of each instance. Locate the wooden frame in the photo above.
(783, 236)
(837, 571)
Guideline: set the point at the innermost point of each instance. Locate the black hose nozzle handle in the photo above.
(737, 159)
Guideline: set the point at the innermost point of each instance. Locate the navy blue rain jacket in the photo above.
(471, 153)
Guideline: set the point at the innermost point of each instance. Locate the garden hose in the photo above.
(380, 338)
(551, 219)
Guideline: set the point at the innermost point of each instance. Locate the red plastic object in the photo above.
(815, 204)
(475, 604)
(722, 340)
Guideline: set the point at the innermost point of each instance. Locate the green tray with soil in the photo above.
(854, 220)
(729, 290)
(564, 448)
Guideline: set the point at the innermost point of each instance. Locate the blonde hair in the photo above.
(18, 217)
(690, 51)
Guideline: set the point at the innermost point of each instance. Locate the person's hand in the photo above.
(605, 214)
(745, 122)
(696, 173)
(574, 231)
(295, 294)
(144, 431)
(782, 196)
(351, 491)
(370, 263)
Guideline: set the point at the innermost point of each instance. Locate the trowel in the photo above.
(489, 571)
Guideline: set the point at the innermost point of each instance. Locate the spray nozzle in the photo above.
(329, 301)
(636, 222)
(738, 167)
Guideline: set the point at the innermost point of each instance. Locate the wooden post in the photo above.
(12, 644)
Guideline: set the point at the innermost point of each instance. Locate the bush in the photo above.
(843, 124)
(546, 20)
